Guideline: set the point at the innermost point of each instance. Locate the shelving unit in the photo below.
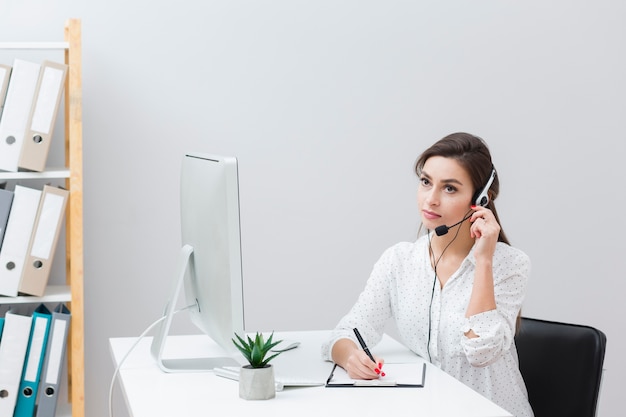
(72, 173)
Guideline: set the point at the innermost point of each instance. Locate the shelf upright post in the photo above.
(74, 218)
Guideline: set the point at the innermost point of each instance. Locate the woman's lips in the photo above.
(430, 215)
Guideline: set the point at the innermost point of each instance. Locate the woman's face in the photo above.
(445, 192)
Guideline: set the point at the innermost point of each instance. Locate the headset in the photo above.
(481, 198)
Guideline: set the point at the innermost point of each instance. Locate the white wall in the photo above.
(327, 104)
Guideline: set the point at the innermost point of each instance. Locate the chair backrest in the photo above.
(562, 367)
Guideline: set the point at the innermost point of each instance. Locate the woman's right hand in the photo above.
(360, 366)
(355, 361)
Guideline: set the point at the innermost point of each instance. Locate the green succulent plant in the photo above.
(255, 350)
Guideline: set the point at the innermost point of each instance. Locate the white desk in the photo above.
(149, 392)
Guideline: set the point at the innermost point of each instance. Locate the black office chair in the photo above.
(562, 366)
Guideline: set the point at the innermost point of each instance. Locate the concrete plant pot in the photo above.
(257, 383)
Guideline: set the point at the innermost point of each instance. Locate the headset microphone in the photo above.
(443, 229)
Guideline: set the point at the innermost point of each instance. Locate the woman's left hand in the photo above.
(485, 229)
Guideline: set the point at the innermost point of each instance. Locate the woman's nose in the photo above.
(432, 198)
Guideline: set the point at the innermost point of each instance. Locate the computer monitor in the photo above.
(209, 265)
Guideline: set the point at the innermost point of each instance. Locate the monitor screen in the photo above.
(209, 267)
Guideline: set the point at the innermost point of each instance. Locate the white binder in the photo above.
(13, 346)
(43, 115)
(17, 238)
(5, 74)
(16, 112)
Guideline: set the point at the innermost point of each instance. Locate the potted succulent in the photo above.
(256, 380)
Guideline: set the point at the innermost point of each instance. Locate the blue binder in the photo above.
(35, 353)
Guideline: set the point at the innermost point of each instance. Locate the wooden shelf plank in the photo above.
(34, 45)
(24, 175)
(54, 294)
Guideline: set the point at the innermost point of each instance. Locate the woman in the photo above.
(455, 295)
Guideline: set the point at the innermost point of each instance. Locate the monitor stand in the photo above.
(158, 342)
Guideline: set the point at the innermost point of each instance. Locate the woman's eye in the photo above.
(424, 181)
(450, 189)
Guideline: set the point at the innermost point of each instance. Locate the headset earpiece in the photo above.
(481, 198)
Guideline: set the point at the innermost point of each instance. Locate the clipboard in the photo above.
(398, 375)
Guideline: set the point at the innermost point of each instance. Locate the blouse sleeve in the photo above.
(371, 311)
(496, 328)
